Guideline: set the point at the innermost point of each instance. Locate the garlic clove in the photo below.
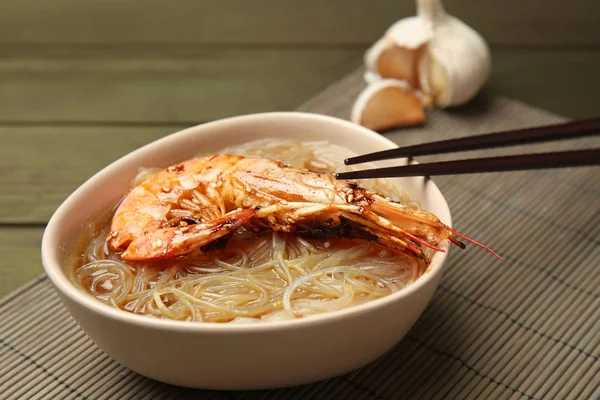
(396, 55)
(456, 64)
(400, 63)
(372, 54)
(387, 104)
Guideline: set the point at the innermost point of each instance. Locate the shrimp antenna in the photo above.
(475, 243)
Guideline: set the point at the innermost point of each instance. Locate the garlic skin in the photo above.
(453, 61)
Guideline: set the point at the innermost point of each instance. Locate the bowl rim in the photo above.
(50, 246)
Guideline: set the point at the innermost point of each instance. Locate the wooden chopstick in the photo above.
(576, 158)
(540, 134)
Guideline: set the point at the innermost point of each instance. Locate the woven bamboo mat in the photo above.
(527, 327)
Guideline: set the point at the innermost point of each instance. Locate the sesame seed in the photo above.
(166, 189)
(178, 232)
(327, 244)
(114, 233)
(183, 223)
(157, 244)
(350, 198)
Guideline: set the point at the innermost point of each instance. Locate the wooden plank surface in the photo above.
(20, 261)
(191, 86)
(40, 166)
(565, 82)
(339, 22)
(151, 86)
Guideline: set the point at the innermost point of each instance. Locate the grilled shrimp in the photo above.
(195, 203)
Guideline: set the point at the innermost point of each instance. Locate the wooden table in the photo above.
(83, 83)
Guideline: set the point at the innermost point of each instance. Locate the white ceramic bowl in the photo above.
(238, 356)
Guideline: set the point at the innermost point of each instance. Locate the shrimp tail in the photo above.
(172, 242)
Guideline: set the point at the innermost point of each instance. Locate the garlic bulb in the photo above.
(433, 52)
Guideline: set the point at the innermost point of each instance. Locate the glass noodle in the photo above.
(256, 277)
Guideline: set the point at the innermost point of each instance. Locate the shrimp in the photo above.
(200, 202)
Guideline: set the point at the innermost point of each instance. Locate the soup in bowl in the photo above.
(227, 256)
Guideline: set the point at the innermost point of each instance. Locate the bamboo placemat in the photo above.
(527, 327)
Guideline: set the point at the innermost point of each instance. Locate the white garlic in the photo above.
(435, 53)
